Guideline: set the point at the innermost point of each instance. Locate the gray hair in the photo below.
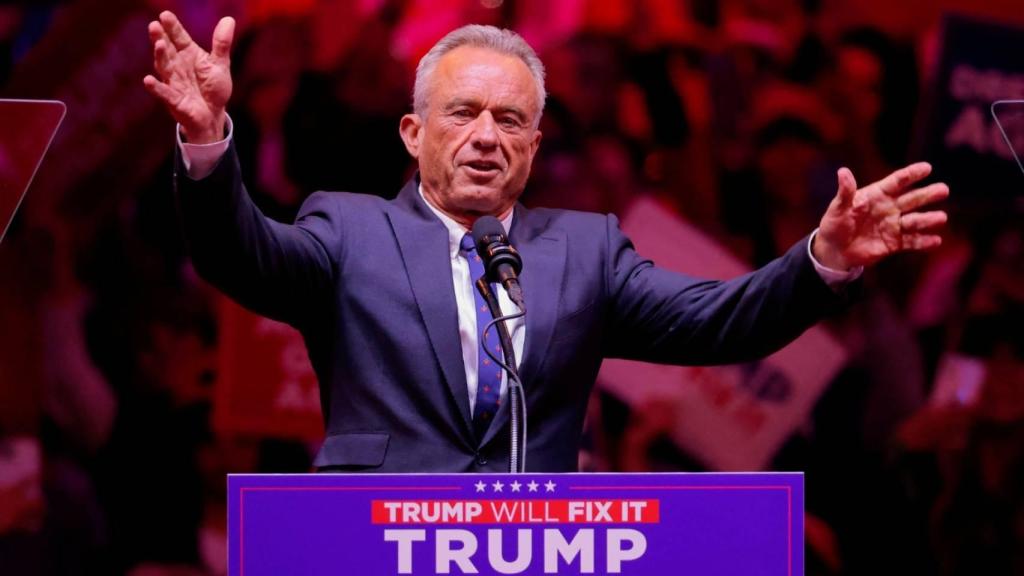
(499, 40)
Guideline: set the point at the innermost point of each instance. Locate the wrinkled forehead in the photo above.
(470, 72)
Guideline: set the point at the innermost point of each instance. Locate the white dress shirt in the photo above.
(466, 302)
(201, 159)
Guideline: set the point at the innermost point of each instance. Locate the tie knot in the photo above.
(467, 244)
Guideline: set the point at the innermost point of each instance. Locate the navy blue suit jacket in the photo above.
(368, 283)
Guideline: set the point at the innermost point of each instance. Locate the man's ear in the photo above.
(411, 130)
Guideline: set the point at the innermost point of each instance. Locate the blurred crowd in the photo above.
(735, 114)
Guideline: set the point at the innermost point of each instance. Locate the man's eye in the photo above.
(509, 122)
(462, 113)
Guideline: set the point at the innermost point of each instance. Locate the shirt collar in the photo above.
(455, 230)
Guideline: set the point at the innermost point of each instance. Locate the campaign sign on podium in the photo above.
(642, 524)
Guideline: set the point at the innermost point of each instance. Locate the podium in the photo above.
(643, 524)
(27, 128)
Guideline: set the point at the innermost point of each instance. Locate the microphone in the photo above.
(502, 262)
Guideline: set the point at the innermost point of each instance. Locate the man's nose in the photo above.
(485, 131)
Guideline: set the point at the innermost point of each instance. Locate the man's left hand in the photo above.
(863, 226)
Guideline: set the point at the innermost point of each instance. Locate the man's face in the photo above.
(477, 139)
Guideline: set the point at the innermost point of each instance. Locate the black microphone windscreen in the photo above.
(486, 227)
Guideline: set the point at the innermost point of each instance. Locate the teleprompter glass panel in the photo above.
(27, 128)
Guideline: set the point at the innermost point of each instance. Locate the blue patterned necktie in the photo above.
(488, 387)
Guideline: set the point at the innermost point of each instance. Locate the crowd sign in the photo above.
(979, 64)
(729, 417)
(266, 384)
(642, 524)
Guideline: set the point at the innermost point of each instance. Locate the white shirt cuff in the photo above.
(201, 159)
(835, 279)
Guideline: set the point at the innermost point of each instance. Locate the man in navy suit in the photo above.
(382, 291)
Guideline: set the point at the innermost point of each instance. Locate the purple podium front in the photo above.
(643, 524)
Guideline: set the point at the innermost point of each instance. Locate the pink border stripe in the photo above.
(242, 491)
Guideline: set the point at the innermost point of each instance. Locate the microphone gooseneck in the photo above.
(502, 264)
(517, 397)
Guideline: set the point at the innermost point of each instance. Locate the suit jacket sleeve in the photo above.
(662, 316)
(278, 270)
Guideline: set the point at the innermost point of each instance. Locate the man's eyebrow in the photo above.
(514, 110)
(471, 103)
(459, 102)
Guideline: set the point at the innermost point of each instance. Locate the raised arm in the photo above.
(667, 317)
(278, 270)
(663, 316)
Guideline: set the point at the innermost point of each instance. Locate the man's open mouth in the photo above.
(483, 166)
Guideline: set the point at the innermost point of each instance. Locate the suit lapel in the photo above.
(423, 241)
(543, 251)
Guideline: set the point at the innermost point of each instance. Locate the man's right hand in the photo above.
(194, 84)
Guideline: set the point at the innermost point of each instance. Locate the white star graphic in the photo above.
(497, 485)
(532, 486)
(515, 485)
(480, 486)
(549, 486)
